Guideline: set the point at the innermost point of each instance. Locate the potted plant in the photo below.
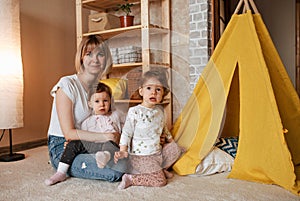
(127, 19)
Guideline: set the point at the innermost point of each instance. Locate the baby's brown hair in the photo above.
(160, 74)
(101, 87)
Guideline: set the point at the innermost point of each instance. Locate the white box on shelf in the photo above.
(114, 55)
(129, 54)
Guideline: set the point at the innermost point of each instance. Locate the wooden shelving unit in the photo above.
(145, 30)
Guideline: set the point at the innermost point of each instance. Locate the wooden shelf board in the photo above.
(113, 32)
(127, 65)
(106, 4)
(132, 65)
(131, 31)
(167, 101)
(128, 101)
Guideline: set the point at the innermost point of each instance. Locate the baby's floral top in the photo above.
(109, 123)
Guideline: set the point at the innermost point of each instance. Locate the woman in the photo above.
(70, 107)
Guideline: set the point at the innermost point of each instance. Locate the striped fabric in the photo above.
(229, 145)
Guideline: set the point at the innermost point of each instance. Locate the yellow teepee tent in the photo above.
(246, 76)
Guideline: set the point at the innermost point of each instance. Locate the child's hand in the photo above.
(170, 140)
(119, 155)
(163, 139)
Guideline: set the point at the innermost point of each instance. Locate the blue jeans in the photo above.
(84, 165)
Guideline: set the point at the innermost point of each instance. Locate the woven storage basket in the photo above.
(133, 80)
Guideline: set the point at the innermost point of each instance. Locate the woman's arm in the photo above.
(64, 107)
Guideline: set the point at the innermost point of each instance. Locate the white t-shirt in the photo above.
(142, 130)
(77, 94)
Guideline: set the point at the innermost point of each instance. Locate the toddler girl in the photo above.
(140, 139)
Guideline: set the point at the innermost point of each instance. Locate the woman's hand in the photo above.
(115, 137)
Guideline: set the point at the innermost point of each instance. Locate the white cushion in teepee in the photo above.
(216, 161)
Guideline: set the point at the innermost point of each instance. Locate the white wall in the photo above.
(48, 43)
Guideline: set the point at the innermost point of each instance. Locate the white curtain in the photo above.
(11, 69)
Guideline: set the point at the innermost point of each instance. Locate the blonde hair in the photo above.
(93, 40)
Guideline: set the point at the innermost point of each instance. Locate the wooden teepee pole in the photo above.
(238, 7)
(253, 6)
(246, 6)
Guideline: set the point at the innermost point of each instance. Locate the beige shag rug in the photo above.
(24, 180)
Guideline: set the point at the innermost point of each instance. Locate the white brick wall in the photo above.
(200, 34)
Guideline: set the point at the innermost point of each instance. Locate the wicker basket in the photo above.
(133, 78)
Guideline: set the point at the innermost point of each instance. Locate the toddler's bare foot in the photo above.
(126, 182)
(102, 158)
(57, 177)
(168, 174)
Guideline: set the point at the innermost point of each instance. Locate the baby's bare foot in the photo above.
(57, 177)
(126, 182)
(102, 158)
(168, 174)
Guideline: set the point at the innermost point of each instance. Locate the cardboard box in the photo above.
(103, 21)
